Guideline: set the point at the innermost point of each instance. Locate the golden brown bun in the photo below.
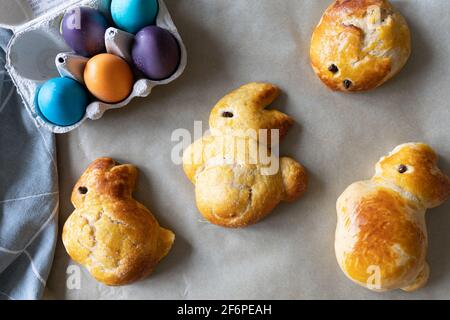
(422, 178)
(359, 44)
(234, 187)
(381, 239)
(115, 237)
(248, 105)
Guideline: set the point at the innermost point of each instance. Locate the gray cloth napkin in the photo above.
(28, 195)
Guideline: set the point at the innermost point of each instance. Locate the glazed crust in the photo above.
(248, 104)
(115, 237)
(381, 222)
(234, 187)
(422, 178)
(359, 44)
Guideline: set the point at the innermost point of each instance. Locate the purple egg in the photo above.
(156, 53)
(84, 30)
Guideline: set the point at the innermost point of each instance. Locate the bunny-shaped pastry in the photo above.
(235, 186)
(381, 237)
(359, 44)
(114, 236)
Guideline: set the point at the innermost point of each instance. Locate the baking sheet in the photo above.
(338, 137)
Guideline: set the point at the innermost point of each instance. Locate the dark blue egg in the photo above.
(62, 101)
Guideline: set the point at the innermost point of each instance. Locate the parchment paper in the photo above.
(338, 137)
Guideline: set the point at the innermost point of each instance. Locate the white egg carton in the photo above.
(37, 52)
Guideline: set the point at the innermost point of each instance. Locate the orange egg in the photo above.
(109, 78)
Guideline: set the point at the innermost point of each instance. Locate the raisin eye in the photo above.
(227, 114)
(83, 190)
(347, 84)
(402, 168)
(333, 68)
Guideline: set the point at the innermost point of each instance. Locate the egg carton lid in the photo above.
(17, 14)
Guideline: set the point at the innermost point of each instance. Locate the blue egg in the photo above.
(62, 101)
(133, 15)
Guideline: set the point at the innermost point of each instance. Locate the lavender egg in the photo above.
(156, 53)
(84, 30)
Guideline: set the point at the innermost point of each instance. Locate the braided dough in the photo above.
(115, 237)
(359, 44)
(234, 187)
(381, 238)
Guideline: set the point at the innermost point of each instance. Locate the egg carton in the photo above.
(37, 52)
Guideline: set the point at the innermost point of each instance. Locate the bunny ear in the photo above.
(101, 164)
(256, 96)
(259, 95)
(108, 177)
(123, 177)
(113, 170)
(276, 120)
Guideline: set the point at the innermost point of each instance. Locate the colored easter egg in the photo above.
(84, 30)
(109, 78)
(133, 15)
(62, 101)
(156, 53)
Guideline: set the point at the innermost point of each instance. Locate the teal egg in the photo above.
(133, 15)
(62, 101)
